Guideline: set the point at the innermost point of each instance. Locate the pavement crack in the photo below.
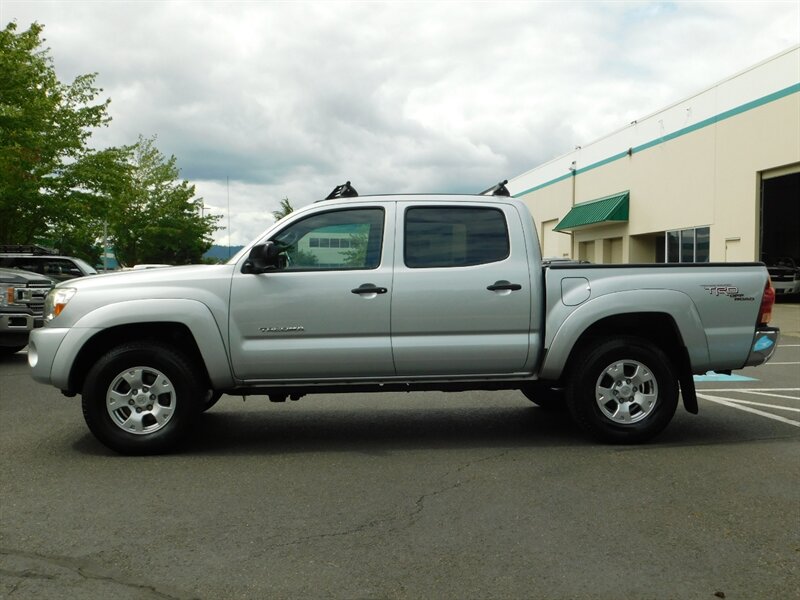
(419, 504)
(81, 568)
(25, 574)
(411, 517)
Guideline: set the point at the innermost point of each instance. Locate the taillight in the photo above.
(767, 302)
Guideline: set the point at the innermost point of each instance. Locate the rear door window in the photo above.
(454, 236)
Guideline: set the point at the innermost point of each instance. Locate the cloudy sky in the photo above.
(290, 99)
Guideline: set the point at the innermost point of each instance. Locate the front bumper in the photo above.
(785, 288)
(765, 342)
(18, 322)
(52, 352)
(42, 348)
(15, 328)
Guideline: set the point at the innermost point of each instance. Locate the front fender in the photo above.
(195, 315)
(677, 305)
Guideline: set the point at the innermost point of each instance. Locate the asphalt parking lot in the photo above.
(469, 495)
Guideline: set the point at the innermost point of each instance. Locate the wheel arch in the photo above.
(187, 325)
(661, 316)
(174, 334)
(658, 328)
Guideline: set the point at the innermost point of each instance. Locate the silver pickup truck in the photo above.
(403, 292)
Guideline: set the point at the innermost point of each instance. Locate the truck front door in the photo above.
(325, 313)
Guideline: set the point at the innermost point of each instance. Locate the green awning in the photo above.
(610, 208)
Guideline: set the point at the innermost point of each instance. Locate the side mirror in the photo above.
(263, 257)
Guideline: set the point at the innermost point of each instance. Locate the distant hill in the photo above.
(222, 252)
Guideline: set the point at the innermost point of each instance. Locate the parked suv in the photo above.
(21, 306)
(785, 275)
(44, 261)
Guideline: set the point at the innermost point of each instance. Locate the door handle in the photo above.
(504, 285)
(369, 288)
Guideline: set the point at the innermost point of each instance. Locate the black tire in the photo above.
(546, 397)
(622, 390)
(141, 397)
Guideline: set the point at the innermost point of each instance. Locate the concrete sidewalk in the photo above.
(786, 316)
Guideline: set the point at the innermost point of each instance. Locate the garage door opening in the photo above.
(780, 217)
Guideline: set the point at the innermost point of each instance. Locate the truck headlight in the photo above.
(56, 301)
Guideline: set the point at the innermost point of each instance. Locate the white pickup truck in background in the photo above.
(402, 292)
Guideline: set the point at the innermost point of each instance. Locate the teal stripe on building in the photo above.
(792, 89)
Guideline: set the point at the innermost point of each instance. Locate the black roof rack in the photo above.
(31, 249)
(497, 190)
(343, 191)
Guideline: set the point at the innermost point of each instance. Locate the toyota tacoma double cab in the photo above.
(399, 292)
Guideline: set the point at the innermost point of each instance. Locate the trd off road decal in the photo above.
(726, 289)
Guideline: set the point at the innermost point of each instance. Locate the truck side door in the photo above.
(325, 313)
(461, 300)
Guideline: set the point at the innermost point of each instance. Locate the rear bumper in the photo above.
(765, 342)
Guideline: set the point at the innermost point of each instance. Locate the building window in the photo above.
(687, 245)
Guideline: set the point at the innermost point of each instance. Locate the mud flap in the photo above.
(686, 380)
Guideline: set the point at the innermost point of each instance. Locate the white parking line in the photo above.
(770, 395)
(775, 406)
(726, 402)
(797, 389)
(780, 363)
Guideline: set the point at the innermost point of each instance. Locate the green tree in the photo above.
(356, 255)
(90, 189)
(154, 217)
(285, 209)
(44, 129)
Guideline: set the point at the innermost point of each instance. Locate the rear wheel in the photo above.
(623, 390)
(140, 398)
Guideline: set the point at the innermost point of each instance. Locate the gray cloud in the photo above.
(290, 99)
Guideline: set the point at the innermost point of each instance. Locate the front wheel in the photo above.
(623, 390)
(140, 398)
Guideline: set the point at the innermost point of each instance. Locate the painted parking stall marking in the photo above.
(778, 402)
(743, 405)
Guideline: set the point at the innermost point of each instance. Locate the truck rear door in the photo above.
(461, 299)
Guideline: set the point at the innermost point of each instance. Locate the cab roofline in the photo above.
(346, 190)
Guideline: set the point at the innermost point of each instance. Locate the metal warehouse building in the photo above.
(715, 177)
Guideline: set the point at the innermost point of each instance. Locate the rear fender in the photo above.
(676, 305)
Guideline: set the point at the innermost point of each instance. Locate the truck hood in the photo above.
(19, 277)
(143, 277)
